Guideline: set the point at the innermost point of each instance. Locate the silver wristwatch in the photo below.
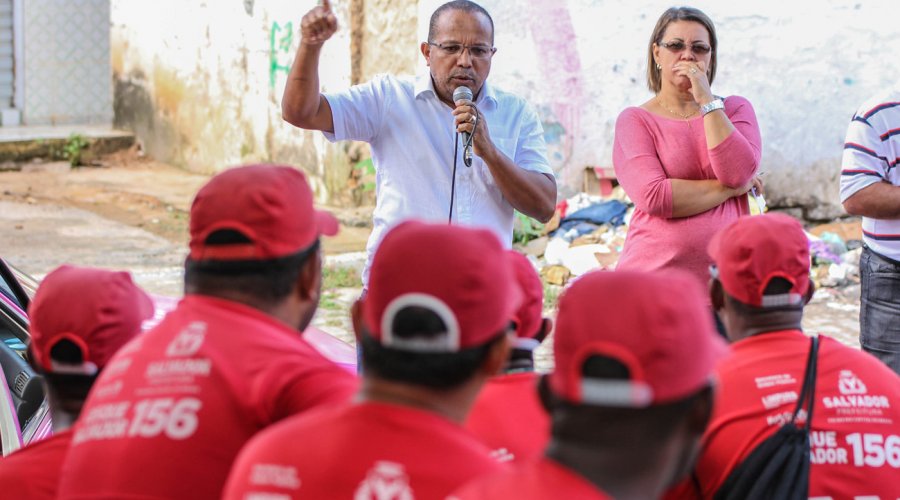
(711, 106)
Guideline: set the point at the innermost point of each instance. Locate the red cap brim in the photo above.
(327, 223)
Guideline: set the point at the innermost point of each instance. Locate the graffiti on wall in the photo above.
(281, 37)
(558, 58)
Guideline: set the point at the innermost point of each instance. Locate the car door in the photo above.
(24, 414)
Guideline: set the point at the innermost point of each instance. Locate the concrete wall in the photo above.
(66, 62)
(201, 81)
(806, 65)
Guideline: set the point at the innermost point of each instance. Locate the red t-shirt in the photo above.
(539, 480)
(173, 407)
(509, 418)
(855, 437)
(33, 471)
(367, 451)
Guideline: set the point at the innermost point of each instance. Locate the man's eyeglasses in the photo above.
(700, 49)
(454, 49)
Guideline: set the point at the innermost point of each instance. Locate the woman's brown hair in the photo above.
(668, 17)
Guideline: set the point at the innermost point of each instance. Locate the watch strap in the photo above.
(711, 106)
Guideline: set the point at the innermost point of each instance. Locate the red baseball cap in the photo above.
(461, 274)
(657, 325)
(99, 311)
(270, 205)
(529, 316)
(752, 250)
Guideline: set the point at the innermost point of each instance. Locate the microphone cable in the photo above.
(467, 160)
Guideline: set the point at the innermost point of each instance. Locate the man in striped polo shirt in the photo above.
(870, 187)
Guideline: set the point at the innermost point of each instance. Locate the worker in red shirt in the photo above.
(78, 319)
(760, 284)
(171, 411)
(508, 415)
(434, 326)
(630, 395)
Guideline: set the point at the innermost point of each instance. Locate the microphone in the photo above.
(465, 93)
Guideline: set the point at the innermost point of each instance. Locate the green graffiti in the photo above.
(280, 39)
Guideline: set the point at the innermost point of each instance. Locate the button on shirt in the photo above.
(411, 132)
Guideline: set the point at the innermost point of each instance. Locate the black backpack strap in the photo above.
(808, 392)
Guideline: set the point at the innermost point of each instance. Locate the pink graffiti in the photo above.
(558, 60)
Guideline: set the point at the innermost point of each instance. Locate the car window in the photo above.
(7, 292)
(14, 296)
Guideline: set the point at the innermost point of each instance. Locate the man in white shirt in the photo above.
(411, 125)
(870, 187)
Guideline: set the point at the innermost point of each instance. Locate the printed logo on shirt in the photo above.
(849, 383)
(778, 399)
(117, 367)
(503, 455)
(774, 380)
(188, 341)
(385, 481)
(280, 476)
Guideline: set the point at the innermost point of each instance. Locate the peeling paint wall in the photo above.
(201, 81)
(390, 44)
(806, 65)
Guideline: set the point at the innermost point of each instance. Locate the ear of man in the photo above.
(497, 356)
(310, 278)
(356, 319)
(716, 294)
(701, 411)
(809, 293)
(545, 329)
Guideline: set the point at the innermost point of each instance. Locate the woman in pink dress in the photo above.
(686, 157)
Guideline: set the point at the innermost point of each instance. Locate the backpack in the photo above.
(778, 468)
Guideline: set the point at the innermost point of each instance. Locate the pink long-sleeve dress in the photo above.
(648, 151)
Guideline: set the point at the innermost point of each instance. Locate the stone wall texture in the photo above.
(201, 81)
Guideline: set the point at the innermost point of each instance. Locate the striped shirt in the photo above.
(872, 154)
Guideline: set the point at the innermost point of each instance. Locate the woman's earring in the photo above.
(658, 67)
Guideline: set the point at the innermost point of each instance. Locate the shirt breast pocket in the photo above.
(508, 148)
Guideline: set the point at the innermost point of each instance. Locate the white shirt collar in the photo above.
(425, 84)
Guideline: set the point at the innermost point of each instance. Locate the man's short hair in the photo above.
(776, 287)
(461, 5)
(267, 280)
(608, 425)
(434, 370)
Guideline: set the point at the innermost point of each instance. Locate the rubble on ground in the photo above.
(588, 233)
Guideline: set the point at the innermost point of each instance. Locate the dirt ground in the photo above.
(131, 213)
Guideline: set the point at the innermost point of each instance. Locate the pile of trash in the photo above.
(835, 249)
(588, 232)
